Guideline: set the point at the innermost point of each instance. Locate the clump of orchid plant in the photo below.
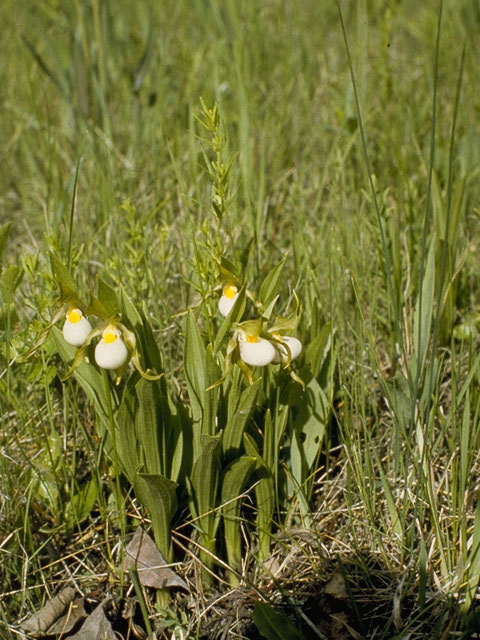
(115, 349)
(117, 345)
(256, 344)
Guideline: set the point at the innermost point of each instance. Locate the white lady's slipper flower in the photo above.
(76, 327)
(111, 352)
(281, 352)
(227, 300)
(255, 351)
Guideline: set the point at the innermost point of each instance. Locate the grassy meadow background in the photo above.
(378, 216)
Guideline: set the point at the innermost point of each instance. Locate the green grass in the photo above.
(112, 90)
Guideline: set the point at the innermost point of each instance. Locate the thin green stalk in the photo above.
(448, 220)
(72, 212)
(8, 331)
(116, 466)
(383, 239)
(141, 598)
(100, 50)
(441, 288)
(426, 219)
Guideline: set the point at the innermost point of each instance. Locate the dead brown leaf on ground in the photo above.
(57, 617)
(95, 627)
(153, 570)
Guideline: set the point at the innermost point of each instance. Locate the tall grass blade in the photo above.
(473, 563)
(373, 190)
(423, 314)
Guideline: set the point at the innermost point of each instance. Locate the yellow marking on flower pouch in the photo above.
(252, 339)
(74, 315)
(230, 291)
(109, 335)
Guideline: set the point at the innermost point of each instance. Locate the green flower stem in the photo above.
(118, 489)
(207, 558)
(141, 598)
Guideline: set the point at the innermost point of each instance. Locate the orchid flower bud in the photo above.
(111, 352)
(76, 327)
(227, 300)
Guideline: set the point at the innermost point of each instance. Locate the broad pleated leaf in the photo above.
(234, 481)
(273, 625)
(271, 284)
(264, 497)
(241, 404)
(158, 495)
(66, 283)
(204, 481)
(4, 232)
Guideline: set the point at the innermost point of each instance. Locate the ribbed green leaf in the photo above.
(149, 347)
(129, 312)
(146, 343)
(158, 495)
(11, 277)
(147, 425)
(297, 465)
(66, 283)
(251, 448)
(127, 442)
(228, 271)
(264, 497)
(318, 351)
(109, 298)
(203, 490)
(310, 417)
(212, 395)
(234, 480)
(273, 433)
(204, 480)
(4, 232)
(240, 408)
(311, 421)
(201, 372)
(195, 370)
(273, 625)
(271, 283)
(106, 305)
(80, 505)
(268, 312)
(181, 443)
